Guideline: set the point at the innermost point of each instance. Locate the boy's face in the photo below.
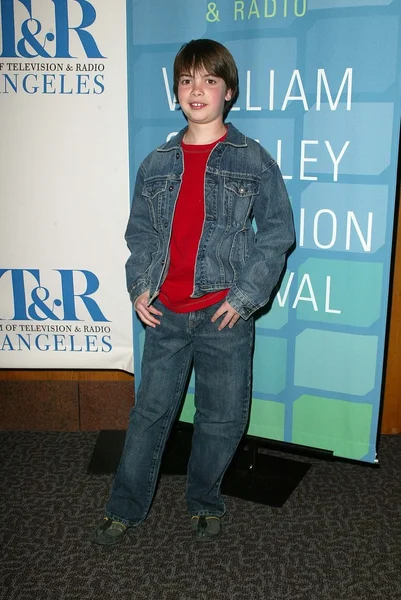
(202, 96)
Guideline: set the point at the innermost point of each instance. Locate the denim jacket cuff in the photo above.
(138, 288)
(241, 303)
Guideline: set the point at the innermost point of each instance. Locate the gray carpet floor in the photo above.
(337, 537)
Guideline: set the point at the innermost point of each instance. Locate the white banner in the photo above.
(64, 185)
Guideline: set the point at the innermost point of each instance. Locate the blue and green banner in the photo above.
(320, 90)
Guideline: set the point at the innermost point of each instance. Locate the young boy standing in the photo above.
(196, 275)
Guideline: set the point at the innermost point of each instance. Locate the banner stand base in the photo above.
(253, 475)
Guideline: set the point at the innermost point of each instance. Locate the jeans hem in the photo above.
(120, 519)
(207, 513)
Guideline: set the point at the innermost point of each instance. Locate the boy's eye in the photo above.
(185, 81)
(211, 81)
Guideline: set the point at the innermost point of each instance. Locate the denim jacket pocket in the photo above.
(240, 250)
(239, 194)
(154, 192)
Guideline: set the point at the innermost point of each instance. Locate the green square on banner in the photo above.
(332, 424)
(334, 361)
(267, 419)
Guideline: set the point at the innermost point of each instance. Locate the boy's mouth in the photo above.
(197, 105)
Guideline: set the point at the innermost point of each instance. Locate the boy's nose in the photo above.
(197, 89)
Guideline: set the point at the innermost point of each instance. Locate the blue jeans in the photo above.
(223, 368)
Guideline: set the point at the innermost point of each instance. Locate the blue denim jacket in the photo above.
(242, 183)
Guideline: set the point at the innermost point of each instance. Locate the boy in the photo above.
(196, 274)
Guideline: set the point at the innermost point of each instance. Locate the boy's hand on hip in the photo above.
(145, 312)
(231, 316)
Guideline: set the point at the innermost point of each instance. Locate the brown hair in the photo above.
(215, 59)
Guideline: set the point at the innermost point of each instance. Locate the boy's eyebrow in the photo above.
(204, 75)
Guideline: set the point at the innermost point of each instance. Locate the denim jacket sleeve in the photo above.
(274, 236)
(139, 228)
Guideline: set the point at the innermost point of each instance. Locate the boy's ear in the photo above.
(228, 95)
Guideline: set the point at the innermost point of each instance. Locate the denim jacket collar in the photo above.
(234, 138)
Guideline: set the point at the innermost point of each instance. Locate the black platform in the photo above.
(253, 474)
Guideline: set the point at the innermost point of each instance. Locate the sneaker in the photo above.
(206, 528)
(108, 532)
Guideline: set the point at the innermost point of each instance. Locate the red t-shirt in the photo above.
(189, 216)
